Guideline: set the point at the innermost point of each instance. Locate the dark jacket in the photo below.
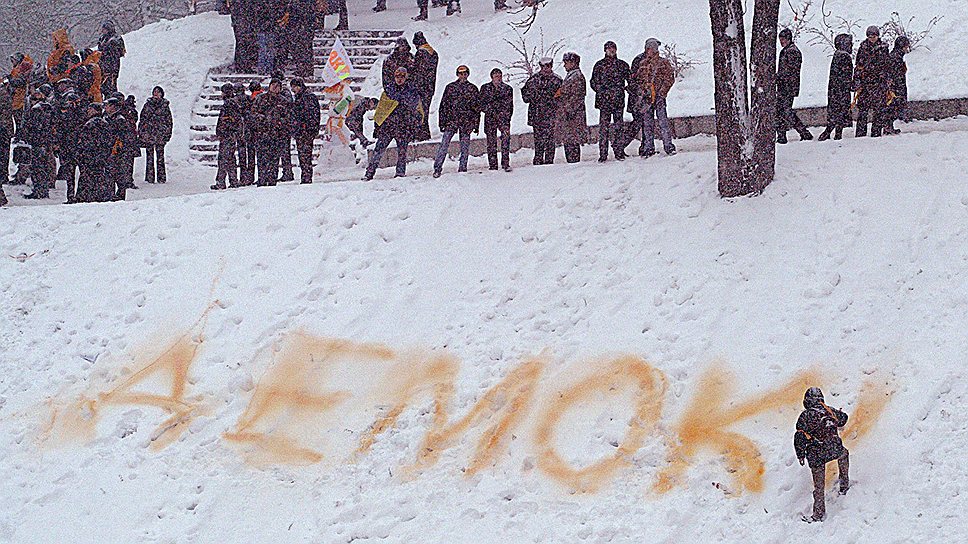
(539, 94)
(460, 108)
(68, 122)
(267, 13)
(788, 71)
(230, 120)
(497, 105)
(424, 75)
(403, 120)
(271, 116)
(302, 14)
(872, 75)
(245, 102)
(898, 69)
(838, 88)
(124, 135)
(571, 125)
(95, 142)
(305, 115)
(154, 127)
(817, 438)
(396, 60)
(39, 125)
(6, 112)
(610, 78)
(112, 49)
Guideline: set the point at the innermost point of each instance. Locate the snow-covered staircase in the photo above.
(365, 48)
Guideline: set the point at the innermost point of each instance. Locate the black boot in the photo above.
(839, 133)
(805, 134)
(781, 138)
(422, 16)
(825, 135)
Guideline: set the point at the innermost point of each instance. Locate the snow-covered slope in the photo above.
(850, 264)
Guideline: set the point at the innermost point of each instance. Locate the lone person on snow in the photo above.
(817, 440)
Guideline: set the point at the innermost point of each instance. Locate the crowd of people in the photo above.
(69, 122)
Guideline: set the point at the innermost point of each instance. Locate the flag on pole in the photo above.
(339, 66)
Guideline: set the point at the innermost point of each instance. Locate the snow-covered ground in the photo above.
(849, 263)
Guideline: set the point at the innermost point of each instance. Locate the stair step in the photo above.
(344, 34)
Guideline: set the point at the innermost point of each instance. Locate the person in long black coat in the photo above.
(401, 57)
(94, 153)
(300, 30)
(872, 81)
(460, 114)
(112, 48)
(272, 124)
(227, 129)
(539, 94)
(305, 126)
(124, 139)
(154, 131)
(838, 88)
(246, 38)
(610, 78)
(899, 90)
(39, 134)
(817, 442)
(497, 105)
(68, 121)
(788, 88)
(424, 77)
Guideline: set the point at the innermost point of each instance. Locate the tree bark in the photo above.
(745, 135)
(766, 14)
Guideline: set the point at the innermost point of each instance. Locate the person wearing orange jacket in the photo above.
(57, 64)
(23, 68)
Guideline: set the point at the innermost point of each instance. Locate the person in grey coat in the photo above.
(539, 94)
(571, 125)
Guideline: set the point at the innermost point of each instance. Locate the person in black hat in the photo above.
(112, 48)
(227, 130)
(610, 78)
(123, 139)
(68, 121)
(154, 130)
(898, 96)
(539, 94)
(818, 442)
(96, 144)
(838, 88)
(424, 79)
(305, 126)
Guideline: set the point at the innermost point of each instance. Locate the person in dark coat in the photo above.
(571, 119)
(497, 105)
(39, 134)
(124, 138)
(424, 77)
(610, 79)
(872, 82)
(248, 137)
(305, 126)
(68, 121)
(354, 121)
(129, 110)
(227, 130)
(112, 48)
(300, 30)
(154, 131)
(96, 144)
(539, 94)
(654, 79)
(7, 128)
(271, 115)
(788, 88)
(336, 7)
(246, 38)
(399, 58)
(397, 118)
(838, 88)
(269, 18)
(460, 114)
(818, 442)
(898, 96)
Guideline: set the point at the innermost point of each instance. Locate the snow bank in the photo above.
(850, 264)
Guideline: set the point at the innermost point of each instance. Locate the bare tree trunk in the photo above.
(733, 126)
(745, 136)
(763, 93)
